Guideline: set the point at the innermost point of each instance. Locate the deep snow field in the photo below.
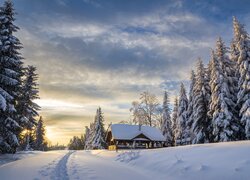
(209, 161)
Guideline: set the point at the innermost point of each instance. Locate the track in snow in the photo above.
(60, 172)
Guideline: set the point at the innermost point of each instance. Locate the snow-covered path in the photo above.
(41, 166)
(60, 171)
(67, 165)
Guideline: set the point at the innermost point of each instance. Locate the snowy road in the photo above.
(67, 165)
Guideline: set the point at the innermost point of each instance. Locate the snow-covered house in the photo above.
(134, 136)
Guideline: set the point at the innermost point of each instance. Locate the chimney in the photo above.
(140, 127)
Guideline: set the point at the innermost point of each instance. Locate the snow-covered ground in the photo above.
(14, 157)
(210, 161)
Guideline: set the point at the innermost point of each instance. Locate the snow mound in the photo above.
(6, 158)
(229, 161)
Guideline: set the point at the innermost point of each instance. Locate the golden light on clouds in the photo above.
(52, 103)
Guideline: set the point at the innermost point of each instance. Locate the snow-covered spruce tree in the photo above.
(224, 120)
(166, 123)
(10, 79)
(231, 82)
(26, 107)
(98, 138)
(201, 125)
(242, 43)
(182, 132)
(234, 78)
(174, 120)
(86, 136)
(229, 68)
(207, 91)
(40, 142)
(190, 105)
(88, 142)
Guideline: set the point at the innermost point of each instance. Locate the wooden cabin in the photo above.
(124, 136)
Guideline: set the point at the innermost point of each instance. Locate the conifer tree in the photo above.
(40, 143)
(91, 133)
(207, 92)
(201, 125)
(26, 107)
(228, 67)
(222, 106)
(182, 132)
(86, 136)
(10, 79)
(242, 43)
(174, 120)
(190, 110)
(98, 138)
(166, 126)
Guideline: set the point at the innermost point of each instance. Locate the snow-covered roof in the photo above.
(128, 132)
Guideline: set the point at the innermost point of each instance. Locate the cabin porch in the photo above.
(136, 144)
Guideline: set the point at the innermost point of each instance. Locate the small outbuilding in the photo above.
(125, 136)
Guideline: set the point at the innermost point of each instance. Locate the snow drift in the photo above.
(208, 161)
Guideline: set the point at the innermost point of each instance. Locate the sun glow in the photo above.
(49, 133)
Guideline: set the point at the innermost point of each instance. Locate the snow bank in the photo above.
(209, 161)
(6, 158)
(39, 166)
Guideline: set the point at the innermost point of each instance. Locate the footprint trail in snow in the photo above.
(60, 172)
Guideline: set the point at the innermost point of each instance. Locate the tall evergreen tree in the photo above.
(228, 67)
(222, 107)
(40, 143)
(166, 124)
(190, 111)
(201, 124)
(98, 138)
(182, 132)
(26, 107)
(242, 43)
(10, 79)
(174, 120)
(91, 133)
(86, 136)
(208, 99)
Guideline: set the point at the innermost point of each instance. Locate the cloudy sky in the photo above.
(92, 53)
